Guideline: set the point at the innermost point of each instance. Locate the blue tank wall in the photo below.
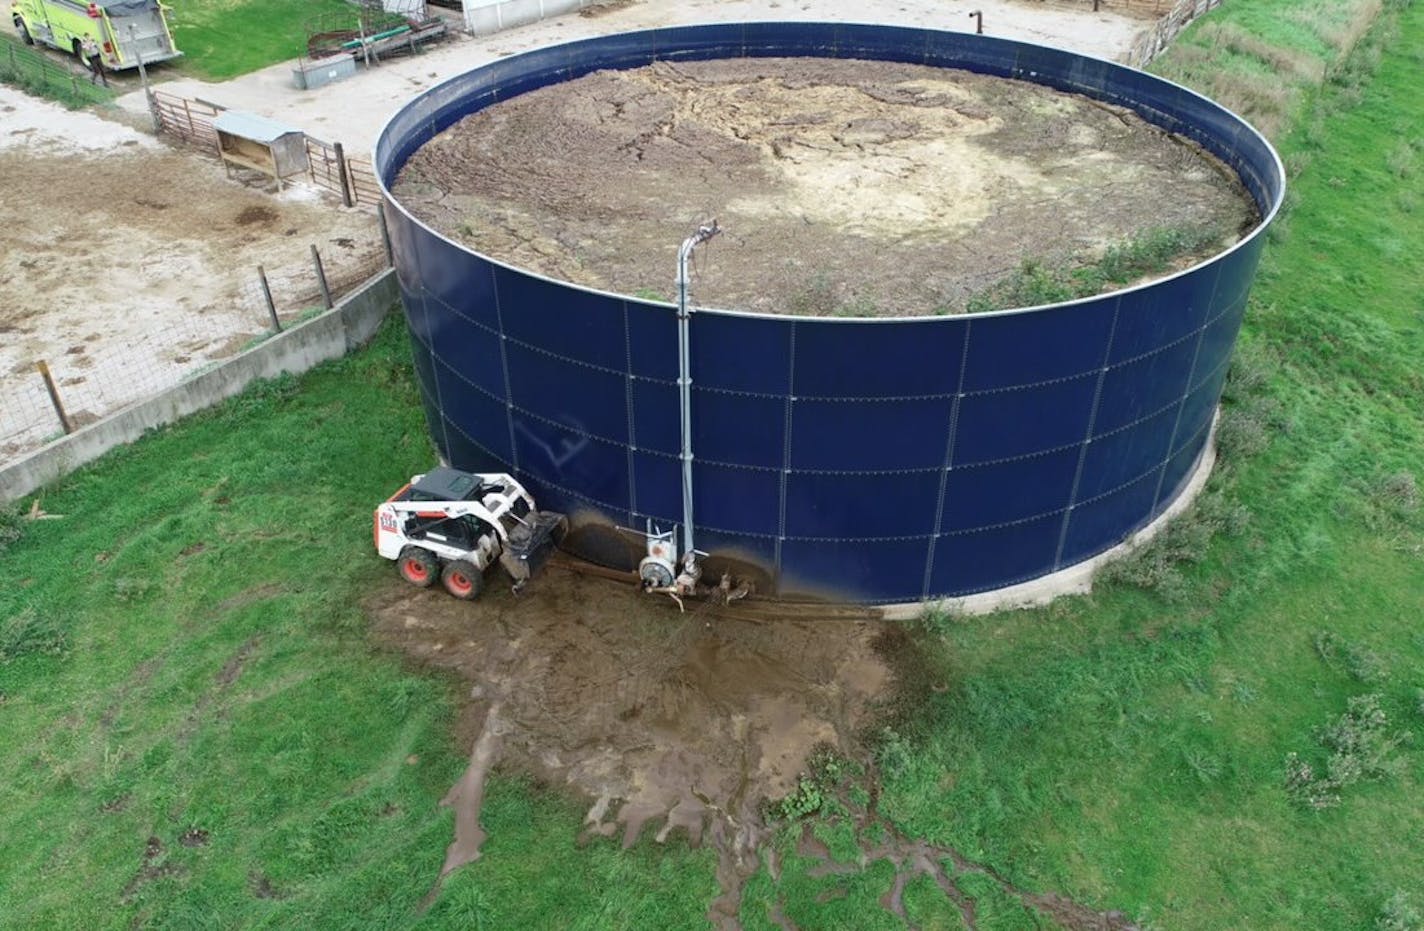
(886, 460)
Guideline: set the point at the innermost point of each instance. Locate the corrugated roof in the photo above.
(251, 126)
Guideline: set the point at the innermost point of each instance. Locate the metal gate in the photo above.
(189, 120)
(327, 165)
(362, 176)
(351, 179)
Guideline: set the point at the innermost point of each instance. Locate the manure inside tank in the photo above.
(846, 188)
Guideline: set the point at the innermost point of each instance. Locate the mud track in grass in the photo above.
(665, 723)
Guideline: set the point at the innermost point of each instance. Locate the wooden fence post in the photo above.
(267, 293)
(321, 277)
(54, 396)
(341, 171)
(385, 236)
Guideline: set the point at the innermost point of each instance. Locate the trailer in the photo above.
(126, 31)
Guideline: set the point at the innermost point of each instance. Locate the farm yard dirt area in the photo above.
(127, 264)
(845, 187)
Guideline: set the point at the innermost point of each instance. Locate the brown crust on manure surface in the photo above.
(854, 188)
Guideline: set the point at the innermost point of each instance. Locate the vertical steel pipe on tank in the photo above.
(684, 382)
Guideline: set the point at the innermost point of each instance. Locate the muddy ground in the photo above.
(663, 721)
(844, 187)
(127, 264)
(667, 724)
(647, 710)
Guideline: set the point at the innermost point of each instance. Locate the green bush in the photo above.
(1184, 541)
(12, 526)
(1362, 748)
(31, 633)
(1399, 914)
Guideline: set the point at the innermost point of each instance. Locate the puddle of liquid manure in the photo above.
(467, 797)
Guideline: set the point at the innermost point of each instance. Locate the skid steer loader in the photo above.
(451, 525)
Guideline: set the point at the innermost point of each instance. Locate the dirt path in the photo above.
(847, 188)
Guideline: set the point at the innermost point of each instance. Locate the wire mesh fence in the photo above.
(30, 69)
(46, 394)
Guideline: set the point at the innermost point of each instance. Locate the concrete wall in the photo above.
(483, 17)
(333, 334)
(1153, 42)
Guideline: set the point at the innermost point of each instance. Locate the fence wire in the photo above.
(98, 376)
(29, 68)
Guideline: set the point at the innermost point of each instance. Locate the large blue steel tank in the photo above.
(879, 460)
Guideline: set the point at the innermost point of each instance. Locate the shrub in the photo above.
(1399, 914)
(29, 633)
(935, 620)
(1388, 503)
(12, 526)
(1362, 748)
(893, 753)
(1184, 541)
(1359, 662)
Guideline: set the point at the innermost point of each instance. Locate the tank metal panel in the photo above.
(882, 460)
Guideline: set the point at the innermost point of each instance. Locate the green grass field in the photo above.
(196, 732)
(222, 40)
(184, 650)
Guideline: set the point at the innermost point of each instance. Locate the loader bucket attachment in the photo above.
(531, 544)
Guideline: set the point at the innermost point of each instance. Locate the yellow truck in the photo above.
(124, 30)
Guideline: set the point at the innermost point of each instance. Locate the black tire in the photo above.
(24, 32)
(462, 579)
(418, 567)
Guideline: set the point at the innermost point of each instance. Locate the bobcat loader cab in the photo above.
(453, 525)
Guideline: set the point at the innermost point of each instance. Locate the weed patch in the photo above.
(1362, 747)
(12, 526)
(30, 632)
(1399, 914)
(1185, 541)
(1037, 281)
(827, 774)
(1360, 663)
